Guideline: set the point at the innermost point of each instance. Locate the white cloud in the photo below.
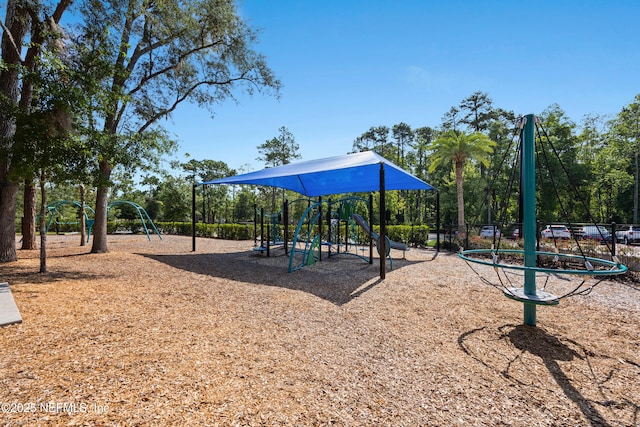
(419, 77)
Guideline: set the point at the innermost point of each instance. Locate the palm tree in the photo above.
(458, 148)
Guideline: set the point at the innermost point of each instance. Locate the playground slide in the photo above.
(365, 226)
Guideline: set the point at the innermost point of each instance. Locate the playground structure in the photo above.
(362, 172)
(142, 214)
(337, 226)
(270, 235)
(320, 226)
(341, 228)
(533, 261)
(54, 208)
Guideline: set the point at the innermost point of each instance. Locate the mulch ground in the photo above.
(152, 333)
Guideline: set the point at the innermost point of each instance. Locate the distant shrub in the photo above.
(412, 235)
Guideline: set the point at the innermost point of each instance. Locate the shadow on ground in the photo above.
(338, 279)
(17, 275)
(554, 352)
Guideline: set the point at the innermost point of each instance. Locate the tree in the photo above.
(243, 206)
(22, 19)
(501, 188)
(458, 149)
(629, 128)
(478, 114)
(151, 57)
(451, 119)
(560, 174)
(375, 139)
(279, 151)
(403, 135)
(44, 146)
(424, 137)
(477, 111)
(208, 170)
(173, 195)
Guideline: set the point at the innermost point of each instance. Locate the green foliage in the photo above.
(142, 60)
(375, 139)
(213, 231)
(243, 207)
(279, 150)
(417, 236)
(174, 196)
(411, 235)
(152, 206)
(459, 148)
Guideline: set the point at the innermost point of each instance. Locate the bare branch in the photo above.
(171, 67)
(179, 100)
(10, 36)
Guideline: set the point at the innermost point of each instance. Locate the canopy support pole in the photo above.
(382, 240)
(320, 227)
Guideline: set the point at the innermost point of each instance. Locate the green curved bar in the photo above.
(619, 268)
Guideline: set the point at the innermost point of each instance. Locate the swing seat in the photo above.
(540, 298)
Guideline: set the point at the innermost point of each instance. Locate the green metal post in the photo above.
(529, 215)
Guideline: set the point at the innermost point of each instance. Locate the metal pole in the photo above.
(205, 213)
(329, 228)
(255, 224)
(262, 229)
(193, 218)
(268, 233)
(320, 228)
(635, 195)
(285, 209)
(382, 244)
(613, 239)
(370, 228)
(635, 189)
(529, 215)
(438, 220)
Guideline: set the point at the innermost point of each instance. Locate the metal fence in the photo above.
(593, 240)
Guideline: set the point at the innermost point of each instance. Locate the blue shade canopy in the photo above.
(351, 173)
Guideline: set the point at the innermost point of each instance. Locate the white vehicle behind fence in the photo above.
(556, 232)
(488, 231)
(629, 234)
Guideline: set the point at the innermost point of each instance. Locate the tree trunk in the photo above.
(43, 227)
(461, 223)
(100, 225)
(17, 21)
(29, 218)
(83, 220)
(8, 199)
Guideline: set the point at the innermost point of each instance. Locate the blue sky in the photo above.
(349, 65)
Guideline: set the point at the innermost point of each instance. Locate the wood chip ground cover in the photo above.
(154, 334)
